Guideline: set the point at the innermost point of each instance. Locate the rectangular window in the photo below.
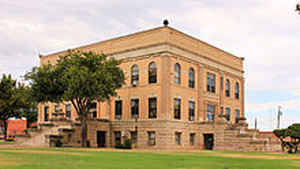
(151, 138)
(191, 110)
(133, 136)
(211, 82)
(93, 110)
(210, 113)
(117, 138)
(152, 108)
(192, 139)
(177, 108)
(118, 109)
(46, 113)
(134, 108)
(177, 138)
(237, 115)
(56, 108)
(227, 114)
(68, 110)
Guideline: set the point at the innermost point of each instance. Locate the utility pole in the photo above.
(255, 123)
(278, 117)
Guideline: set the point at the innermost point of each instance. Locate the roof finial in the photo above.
(166, 22)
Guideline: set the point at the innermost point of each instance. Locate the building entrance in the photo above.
(208, 141)
(101, 141)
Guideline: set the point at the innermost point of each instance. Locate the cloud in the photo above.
(265, 32)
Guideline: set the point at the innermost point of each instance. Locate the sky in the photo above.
(265, 32)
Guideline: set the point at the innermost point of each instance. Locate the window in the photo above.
(134, 75)
(134, 108)
(191, 78)
(177, 106)
(227, 88)
(152, 108)
(210, 114)
(46, 113)
(177, 73)
(117, 138)
(177, 138)
(151, 138)
(227, 115)
(56, 108)
(192, 139)
(93, 109)
(152, 73)
(118, 109)
(133, 136)
(237, 115)
(237, 90)
(68, 110)
(211, 82)
(191, 110)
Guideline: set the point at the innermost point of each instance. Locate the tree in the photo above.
(12, 102)
(298, 8)
(80, 78)
(293, 133)
(29, 110)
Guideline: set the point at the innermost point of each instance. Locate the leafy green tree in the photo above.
(79, 78)
(293, 133)
(298, 8)
(12, 100)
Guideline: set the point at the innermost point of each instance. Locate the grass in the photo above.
(6, 142)
(52, 158)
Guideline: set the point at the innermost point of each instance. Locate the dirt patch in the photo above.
(44, 152)
(296, 164)
(257, 156)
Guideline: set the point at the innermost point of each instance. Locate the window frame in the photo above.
(210, 116)
(152, 73)
(68, 109)
(228, 113)
(192, 139)
(134, 75)
(134, 110)
(151, 138)
(191, 78)
(192, 106)
(178, 138)
(152, 111)
(118, 109)
(227, 88)
(177, 108)
(177, 73)
(237, 91)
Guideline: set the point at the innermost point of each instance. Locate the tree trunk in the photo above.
(84, 130)
(5, 128)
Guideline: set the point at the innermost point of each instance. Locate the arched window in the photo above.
(134, 75)
(237, 90)
(177, 73)
(191, 78)
(152, 72)
(227, 88)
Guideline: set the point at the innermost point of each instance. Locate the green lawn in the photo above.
(51, 158)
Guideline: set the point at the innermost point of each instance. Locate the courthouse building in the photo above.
(179, 92)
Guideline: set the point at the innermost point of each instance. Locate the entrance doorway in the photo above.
(208, 141)
(101, 141)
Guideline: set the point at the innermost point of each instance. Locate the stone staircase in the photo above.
(41, 137)
(244, 139)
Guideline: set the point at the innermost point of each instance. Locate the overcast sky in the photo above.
(265, 32)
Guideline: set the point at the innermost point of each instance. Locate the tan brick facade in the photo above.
(166, 47)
